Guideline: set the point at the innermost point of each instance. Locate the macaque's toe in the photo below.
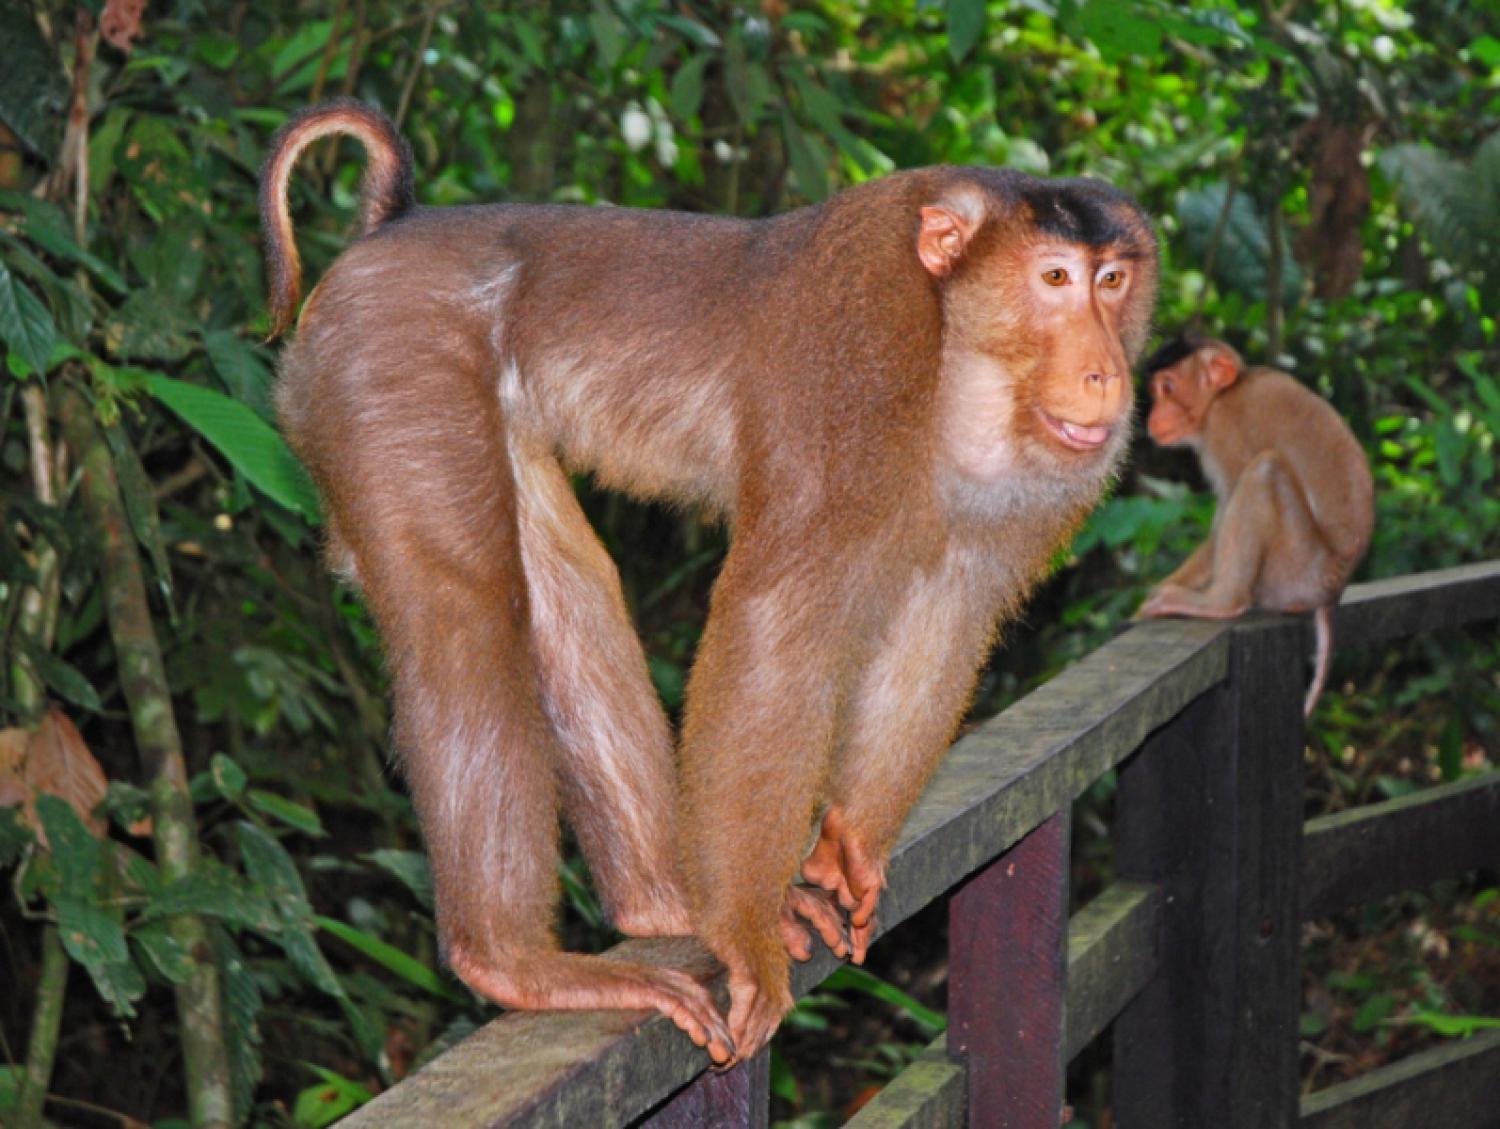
(688, 1004)
(803, 907)
(754, 1015)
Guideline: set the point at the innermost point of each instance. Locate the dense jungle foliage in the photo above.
(218, 906)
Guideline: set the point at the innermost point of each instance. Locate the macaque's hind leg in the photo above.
(1264, 519)
(438, 555)
(618, 779)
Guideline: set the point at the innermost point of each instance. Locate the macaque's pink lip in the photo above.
(1080, 437)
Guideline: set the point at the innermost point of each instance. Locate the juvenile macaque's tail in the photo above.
(1323, 653)
(385, 193)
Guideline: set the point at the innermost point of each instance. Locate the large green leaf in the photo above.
(25, 324)
(965, 25)
(407, 967)
(250, 444)
(33, 87)
(95, 939)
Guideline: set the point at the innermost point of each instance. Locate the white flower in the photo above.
(635, 127)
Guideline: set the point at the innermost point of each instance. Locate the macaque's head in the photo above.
(1048, 289)
(1186, 374)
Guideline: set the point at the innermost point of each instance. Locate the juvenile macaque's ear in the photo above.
(1223, 368)
(945, 233)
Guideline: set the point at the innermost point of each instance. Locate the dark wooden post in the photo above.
(736, 1099)
(1211, 809)
(1007, 981)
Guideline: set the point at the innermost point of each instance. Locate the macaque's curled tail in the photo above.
(1322, 655)
(385, 193)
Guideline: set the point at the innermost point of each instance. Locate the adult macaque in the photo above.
(1296, 503)
(904, 400)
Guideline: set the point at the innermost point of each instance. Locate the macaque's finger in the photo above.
(817, 909)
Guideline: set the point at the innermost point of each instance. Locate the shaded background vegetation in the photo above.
(218, 906)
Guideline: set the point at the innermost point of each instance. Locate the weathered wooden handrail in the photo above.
(998, 785)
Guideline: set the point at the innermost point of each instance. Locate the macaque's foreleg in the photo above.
(618, 777)
(1265, 516)
(908, 702)
(757, 739)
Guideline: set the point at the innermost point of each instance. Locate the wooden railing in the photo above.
(1191, 957)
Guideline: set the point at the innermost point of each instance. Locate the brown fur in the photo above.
(802, 376)
(1296, 501)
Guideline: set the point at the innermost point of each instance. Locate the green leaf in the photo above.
(1374, 1011)
(149, 326)
(386, 955)
(32, 81)
(61, 676)
(74, 849)
(242, 1007)
(687, 87)
(609, 34)
(246, 440)
(245, 375)
(323, 1104)
(96, 940)
(857, 979)
(293, 815)
(966, 20)
(228, 776)
(49, 229)
(411, 868)
(164, 952)
(1117, 30)
(809, 166)
(1486, 50)
(25, 324)
(272, 869)
(215, 891)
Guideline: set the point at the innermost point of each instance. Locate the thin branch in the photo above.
(418, 63)
(143, 678)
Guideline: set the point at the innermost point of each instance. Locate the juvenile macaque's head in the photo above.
(1048, 289)
(1186, 374)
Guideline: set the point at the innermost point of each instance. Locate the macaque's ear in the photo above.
(945, 233)
(1223, 369)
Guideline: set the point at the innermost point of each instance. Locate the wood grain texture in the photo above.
(1007, 981)
(1111, 957)
(736, 1099)
(1419, 604)
(1369, 852)
(928, 1094)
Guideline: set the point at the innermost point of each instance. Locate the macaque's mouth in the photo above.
(1079, 436)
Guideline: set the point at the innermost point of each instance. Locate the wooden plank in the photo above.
(1111, 957)
(1455, 1084)
(603, 1069)
(1007, 981)
(1267, 669)
(1383, 610)
(928, 1094)
(736, 1099)
(1369, 852)
(1211, 810)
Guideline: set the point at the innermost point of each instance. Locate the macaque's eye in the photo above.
(1112, 280)
(1055, 277)
(1167, 388)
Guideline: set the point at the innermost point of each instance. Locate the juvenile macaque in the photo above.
(903, 399)
(1296, 503)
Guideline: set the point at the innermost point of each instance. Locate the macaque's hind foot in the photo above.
(1173, 599)
(804, 907)
(574, 982)
(841, 864)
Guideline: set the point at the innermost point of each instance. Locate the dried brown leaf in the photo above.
(121, 22)
(59, 762)
(13, 744)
